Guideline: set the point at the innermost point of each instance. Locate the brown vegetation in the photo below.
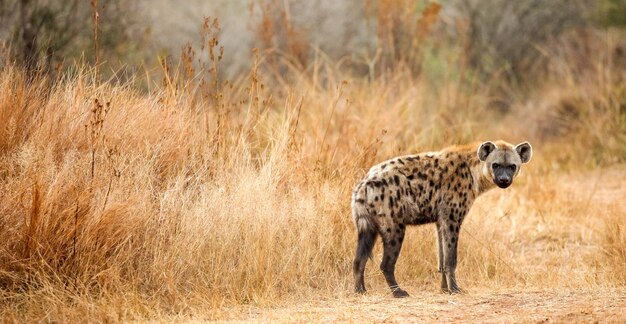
(200, 195)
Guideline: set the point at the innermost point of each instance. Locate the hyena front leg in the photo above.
(450, 239)
(440, 257)
(392, 243)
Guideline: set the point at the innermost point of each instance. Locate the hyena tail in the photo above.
(367, 238)
(366, 229)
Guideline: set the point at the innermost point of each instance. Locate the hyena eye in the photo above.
(495, 166)
(513, 167)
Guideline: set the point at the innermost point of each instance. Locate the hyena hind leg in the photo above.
(392, 244)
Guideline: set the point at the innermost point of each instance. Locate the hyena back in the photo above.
(435, 187)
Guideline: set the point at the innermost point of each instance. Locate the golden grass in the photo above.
(197, 197)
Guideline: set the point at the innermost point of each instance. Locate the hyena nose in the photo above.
(503, 181)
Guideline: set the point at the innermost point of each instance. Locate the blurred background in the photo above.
(508, 38)
(513, 52)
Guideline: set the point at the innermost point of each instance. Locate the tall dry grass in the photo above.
(202, 194)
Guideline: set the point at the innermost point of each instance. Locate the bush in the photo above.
(43, 34)
(611, 13)
(502, 37)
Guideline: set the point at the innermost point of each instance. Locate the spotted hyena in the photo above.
(435, 187)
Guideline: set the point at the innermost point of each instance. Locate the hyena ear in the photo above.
(485, 149)
(525, 151)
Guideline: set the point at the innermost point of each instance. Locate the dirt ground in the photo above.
(606, 306)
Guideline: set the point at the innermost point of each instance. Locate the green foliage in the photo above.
(45, 33)
(611, 13)
(502, 37)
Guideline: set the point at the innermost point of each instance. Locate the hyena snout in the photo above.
(503, 181)
(503, 174)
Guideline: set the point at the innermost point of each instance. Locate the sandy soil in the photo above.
(539, 306)
(604, 187)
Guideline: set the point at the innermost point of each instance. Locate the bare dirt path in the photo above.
(539, 306)
(605, 187)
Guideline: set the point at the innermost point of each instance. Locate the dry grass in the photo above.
(201, 196)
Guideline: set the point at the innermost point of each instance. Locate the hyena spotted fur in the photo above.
(434, 187)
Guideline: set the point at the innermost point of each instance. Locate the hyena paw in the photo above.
(454, 290)
(399, 293)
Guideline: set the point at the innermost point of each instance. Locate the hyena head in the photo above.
(502, 161)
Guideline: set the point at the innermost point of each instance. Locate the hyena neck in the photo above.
(480, 174)
(482, 179)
